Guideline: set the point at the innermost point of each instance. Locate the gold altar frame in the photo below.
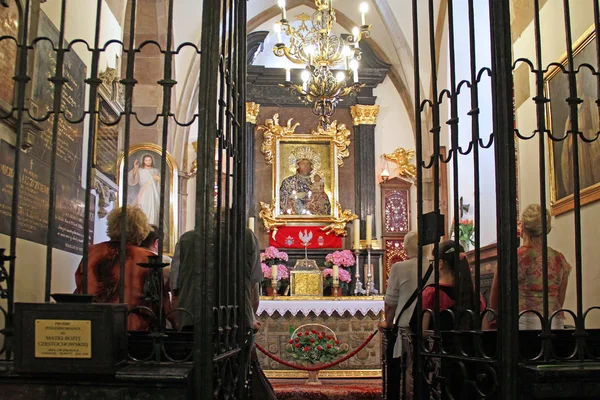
(330, 144)
(589, 194)
(171, 209)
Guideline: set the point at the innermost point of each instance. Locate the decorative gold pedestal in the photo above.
(313, 379)
(306, 283)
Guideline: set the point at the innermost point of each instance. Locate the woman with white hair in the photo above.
(531, 284)
(402, 283)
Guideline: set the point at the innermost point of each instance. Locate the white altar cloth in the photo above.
(304, 307)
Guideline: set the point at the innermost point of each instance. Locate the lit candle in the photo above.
(356, 225)
(281, 4)
(369, 238)
(364, 7)
(277, 29)
(336, 274)
(274, 272)
(356, 35)
(288, 75)
(251, 223)
(355, 75)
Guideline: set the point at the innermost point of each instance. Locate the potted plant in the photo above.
(343, 259)
(273, 257)
(314, 346)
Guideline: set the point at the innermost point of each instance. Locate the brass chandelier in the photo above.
(314, 46)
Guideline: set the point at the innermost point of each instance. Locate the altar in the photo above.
(352, 318)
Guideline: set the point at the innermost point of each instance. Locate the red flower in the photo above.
(307, 333)
(306, 348)
(319, 348)
(297, 344)
(312, 340)
(329, 337)
(299, 334)
(320, 337)
(313, 331)
(329, 345)
(291, 341)
(337, 342)
(297, 340)
(322, 333)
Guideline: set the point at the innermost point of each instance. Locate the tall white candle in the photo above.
(355, 75)
(336, 274)
(251, 223)
(274, 272)
(369, 222)
(288, 75)
(356, 225)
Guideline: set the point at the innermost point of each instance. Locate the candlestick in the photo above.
(364, 7)
(288, 75)
(357, 282)
(356, 226)
(336, 285)
(369, 276)
(281, 4)
(251, 223)
(369, 238)
(274, 280)
(336, 274)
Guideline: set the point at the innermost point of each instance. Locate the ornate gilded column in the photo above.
(252, 110)
(364, 118)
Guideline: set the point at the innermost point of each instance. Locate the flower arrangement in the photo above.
(314, 347)
(272, 256)
(466, 231)
(343, 258)
(344, 277)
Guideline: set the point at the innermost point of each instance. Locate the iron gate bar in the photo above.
(475, 142)
(94, 82)
(21, 79)
(418, 382)
(58, 80)
(506, 209)
(574, 102)
(129, 82)
(541, 101)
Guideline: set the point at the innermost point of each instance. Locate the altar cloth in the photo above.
(318, 307)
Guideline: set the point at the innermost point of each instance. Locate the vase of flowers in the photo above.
(273, 257)
(312, 345)
(466, 233)
(344, 277)
(343, 259)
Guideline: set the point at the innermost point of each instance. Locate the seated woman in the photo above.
(103, 279)
(531, 285)
(456, 291)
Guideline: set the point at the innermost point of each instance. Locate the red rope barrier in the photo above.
(318, 368)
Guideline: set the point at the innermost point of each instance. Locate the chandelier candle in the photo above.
(251, 223)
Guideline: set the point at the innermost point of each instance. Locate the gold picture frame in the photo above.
(557, 114)
(139, 152)
(305, 194)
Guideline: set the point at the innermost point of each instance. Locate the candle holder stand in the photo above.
(357, 283)
(274, 286)
(336, 285)
(369, 275)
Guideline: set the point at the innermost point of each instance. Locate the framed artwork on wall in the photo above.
(304, 175)
(144, 188)
(559, 121)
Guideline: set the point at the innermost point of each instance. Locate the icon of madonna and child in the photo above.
(303, 193)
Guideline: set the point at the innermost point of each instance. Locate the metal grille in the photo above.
(472, 363)
(219, 287)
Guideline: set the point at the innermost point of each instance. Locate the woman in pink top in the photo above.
(531, 284)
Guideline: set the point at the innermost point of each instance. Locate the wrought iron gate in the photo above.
(476, 364)
(220, 329)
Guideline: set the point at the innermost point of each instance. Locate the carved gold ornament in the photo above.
(341, 138)
(338, 225)
(267, 215)
(274, 131)
(364, 115)
(252, 110)
(402, 159)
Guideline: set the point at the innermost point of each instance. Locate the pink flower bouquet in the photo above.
(343, 258)
(344, 276)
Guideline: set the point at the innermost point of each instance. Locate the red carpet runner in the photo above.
(331, 389)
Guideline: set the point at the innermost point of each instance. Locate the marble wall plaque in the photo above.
(72, 107)
(32, 224)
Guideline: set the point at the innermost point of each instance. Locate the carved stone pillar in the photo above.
(364, 118)
(252, 110)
